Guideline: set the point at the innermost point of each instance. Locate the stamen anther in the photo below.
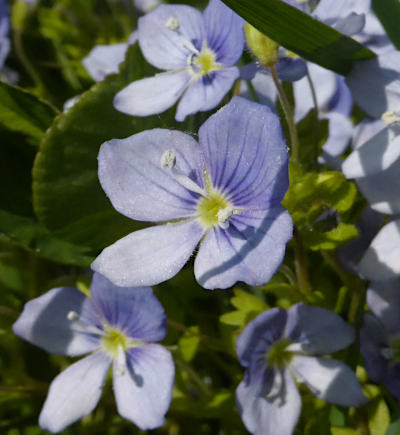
(172, 24)
(168, 159)
(390, 118)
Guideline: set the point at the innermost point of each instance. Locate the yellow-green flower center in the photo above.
(205, 61)
(208, 208)
(113, 340)
(278, 355)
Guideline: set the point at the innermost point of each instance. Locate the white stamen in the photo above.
(388, 353)
(121, 361)
(79, 325)
(277, 385)
(390, 118)
(172, 24)
(72, 315)
(223, 216)
(301, 2)
(168, 159)
(304, 347)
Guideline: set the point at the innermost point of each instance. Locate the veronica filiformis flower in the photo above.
(380, 335)
(223, 192)
(279, 347)
(118, 326)
(4, 29)
(197, 50)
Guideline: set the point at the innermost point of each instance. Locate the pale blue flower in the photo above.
(198, 52)
(380, 335)
(223, 193)
(280, 346)
(117, 326)
(4, 29)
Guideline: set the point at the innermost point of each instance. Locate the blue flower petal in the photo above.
(321, 330)
(245, 154)
(152, 95)
(166, 48)
(224, 32)
(44, 322)
(104, 60)
(136, 310)
(379, 77)
(143, 391)
(372, 340)
(291, 69)
(149, 256)
(329, 379)
(383, 299)
(75, 392)
(263, 331)
(381, 261)
(252, 254)
(206, 92)
(132, 175)
(269, 416)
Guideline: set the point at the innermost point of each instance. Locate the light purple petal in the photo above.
(252, 254)
(322, 331)
(342, 100)
(131, 174)
(380, 77)
(290, 69)
(351, 24)
(381, 261)
(263, 331)
(340, 132)
(149, 256)
(152, 95)
(265, 88)
(329, 379)
(383, 299)
(325, 84)
(245, 154)
(224, 32)
(44, 323)
(104, 60)
(366, 130)
(166, 48)
(134, 310)
(75, 392)
(269, 415)
(206, 92)
(373, 340)
(143, 392)
(331, 10)
(146, 5)
(374, 155)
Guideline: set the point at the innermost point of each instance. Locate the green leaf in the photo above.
(301, 33)
(378, 416)
(343, 431)
(388, 12)
(318, 203)
(68, 198)
(23, 112)
(248, 307)
(189, 343)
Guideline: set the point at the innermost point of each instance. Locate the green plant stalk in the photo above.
(300, 261)
(287, 109)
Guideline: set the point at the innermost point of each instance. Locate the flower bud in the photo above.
(264, 48)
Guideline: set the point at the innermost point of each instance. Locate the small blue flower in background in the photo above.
(279, 345)
(380, 335)
(104, 60)
(224, 192)
(4, 29)
(119, 326)
(197, 50)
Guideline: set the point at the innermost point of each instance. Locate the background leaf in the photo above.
(301, 33)
(388, 12)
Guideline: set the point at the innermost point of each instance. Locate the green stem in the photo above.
(194, 377)
(300, 261)
(313, 93)
(287, 110)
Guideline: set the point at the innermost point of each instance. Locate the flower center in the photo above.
(205, 61)
(211, 208)
(113, 339)
(278, 355)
